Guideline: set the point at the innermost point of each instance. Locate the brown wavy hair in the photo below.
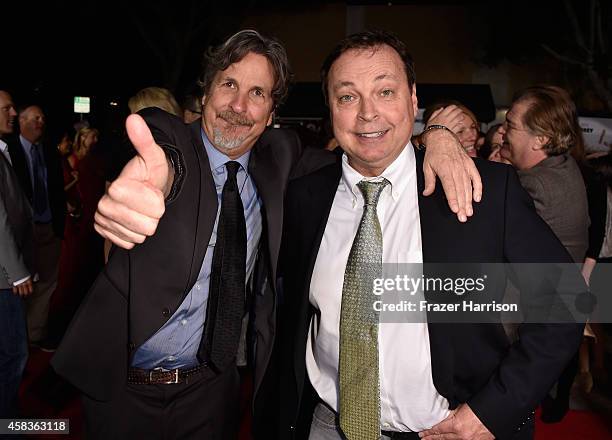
(551, 113)
(239, 45)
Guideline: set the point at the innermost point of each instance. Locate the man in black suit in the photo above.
(37, 166)
(348, 377)
(143, 345)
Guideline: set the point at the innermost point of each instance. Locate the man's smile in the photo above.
(372, 134)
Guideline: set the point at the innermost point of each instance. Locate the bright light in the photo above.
(82, 104)
(113, 104)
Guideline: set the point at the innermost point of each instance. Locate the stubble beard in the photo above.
(227, 141)
(228, 138)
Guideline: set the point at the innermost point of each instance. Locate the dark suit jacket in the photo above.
(139, 290)
(55, 180)
(471, 363)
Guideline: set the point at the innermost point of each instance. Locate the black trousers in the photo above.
(204, 408)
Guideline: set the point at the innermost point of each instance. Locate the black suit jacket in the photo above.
(471, 363)
(55, 180)
(140, 289)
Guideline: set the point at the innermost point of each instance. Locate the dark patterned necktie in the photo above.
(39, 195)
(226, 299)
(358, 367)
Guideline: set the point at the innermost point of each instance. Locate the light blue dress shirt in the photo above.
(176, 343)
(46, 216)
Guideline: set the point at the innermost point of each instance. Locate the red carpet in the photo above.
(576, 425)
(43, 395)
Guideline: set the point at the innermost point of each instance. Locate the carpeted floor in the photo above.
(44, 395)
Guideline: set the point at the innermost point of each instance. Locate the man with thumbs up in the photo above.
(156, 343)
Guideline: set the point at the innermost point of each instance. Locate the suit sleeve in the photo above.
(536, 360)
(164, 128)
(11, 259)
(535, 188)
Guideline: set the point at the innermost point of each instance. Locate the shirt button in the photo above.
(386, 425)
(197, 286)
(165, 312)
(183, 321)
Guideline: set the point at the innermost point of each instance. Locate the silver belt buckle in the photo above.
(174, 380)
(176, 376)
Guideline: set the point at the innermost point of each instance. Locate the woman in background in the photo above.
(81, 256)
(155, 97)
(467, 131)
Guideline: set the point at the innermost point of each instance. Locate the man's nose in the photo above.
(502, 129)
(367, 110)
(239, 102)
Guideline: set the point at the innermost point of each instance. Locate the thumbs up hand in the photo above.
(131, 208)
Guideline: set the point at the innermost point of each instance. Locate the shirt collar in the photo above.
(217, 159)
(399, 173)
(27, 145)
(3, 146)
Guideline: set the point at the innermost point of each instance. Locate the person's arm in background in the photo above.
(597, 198)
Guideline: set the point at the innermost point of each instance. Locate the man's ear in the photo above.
(270, 119)
(415, 100)
(541, 142)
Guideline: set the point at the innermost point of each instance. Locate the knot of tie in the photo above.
(232, 169)
(371, 191)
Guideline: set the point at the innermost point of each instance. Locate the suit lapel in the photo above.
(440, 344)
(317, 202)
(20, 165)
(207, 202)
(264, 170)
(320, 197)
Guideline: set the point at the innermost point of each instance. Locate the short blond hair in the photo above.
(77, 145)
(155, 97)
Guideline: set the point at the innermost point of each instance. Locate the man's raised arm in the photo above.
(133, 204)
(446, 158)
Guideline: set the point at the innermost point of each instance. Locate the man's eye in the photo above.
(259, 93)
(386, 92)
(229, 84)
(345, 98)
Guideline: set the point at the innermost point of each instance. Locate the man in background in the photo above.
(15, 269)
(36, 164)
(541, 128)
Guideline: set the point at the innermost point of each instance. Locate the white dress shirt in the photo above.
(408, 398)
(4, 150)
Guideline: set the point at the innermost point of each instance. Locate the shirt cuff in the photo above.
(23, 280)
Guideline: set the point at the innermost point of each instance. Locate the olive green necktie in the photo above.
(359, 384)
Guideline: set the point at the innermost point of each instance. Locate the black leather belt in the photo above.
(138, 376)
(394, 435)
